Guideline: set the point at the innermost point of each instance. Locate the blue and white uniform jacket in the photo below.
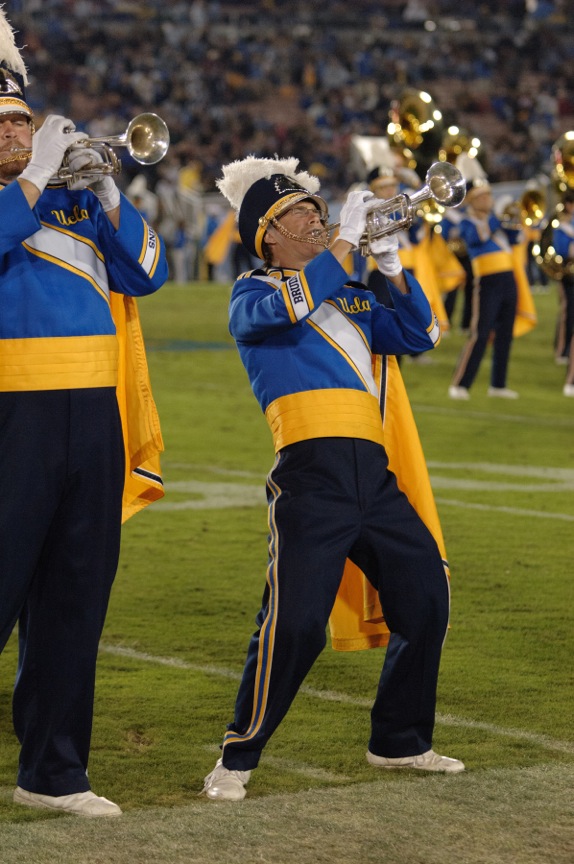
(58, 264)
(489, 245)
(307, 340)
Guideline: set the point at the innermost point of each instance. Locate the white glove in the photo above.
(49, 144)
(104, 186)
(80, 158)
(353, 215)
(385, 251)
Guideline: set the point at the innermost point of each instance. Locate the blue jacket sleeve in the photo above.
(135, 254)
(410, 328)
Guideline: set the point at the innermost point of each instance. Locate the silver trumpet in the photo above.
(146, 139)
(443, 183)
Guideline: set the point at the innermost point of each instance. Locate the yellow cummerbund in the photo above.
(493, 262)
(324, 414)
(58, 363)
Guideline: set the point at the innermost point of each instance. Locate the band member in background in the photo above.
(69, 258)
(307, 338)
(497, 273)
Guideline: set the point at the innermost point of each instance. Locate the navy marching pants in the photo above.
(329, 499)
(494, 311)
(62, 469)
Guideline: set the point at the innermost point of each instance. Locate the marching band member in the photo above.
(499, 278)
(71, 263)
(306, 337)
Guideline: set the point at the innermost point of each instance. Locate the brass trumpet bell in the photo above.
(146, 139)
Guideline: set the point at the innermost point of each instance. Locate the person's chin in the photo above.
(12, 170)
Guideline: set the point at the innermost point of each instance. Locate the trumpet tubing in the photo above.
(146, 139)
(444, 184)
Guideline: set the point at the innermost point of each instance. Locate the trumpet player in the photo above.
(66, 257)
(306, 337)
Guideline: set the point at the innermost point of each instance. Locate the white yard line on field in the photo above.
(542, 741)
(540, 420)
(512, 511)
(294, 767)
(476, 477)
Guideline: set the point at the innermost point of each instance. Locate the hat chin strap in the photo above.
(323, 241)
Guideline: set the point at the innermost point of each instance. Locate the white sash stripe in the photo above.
(344, 334)
(277, 282)
(67, 249)
(434, 332)
(150, 250)
(297, 296)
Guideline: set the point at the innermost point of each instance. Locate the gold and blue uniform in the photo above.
(307, 340)
(62, 457)
(495, 298)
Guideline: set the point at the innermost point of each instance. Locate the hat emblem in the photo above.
(8, 84)
(284, 185)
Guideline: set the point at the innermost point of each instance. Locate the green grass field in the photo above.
(188, 588)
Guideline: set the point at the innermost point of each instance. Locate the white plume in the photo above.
(470, 167)
(239, 176)
(9, 53)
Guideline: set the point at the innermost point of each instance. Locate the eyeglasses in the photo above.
(305, 212)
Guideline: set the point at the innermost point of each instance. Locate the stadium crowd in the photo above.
(284, 77)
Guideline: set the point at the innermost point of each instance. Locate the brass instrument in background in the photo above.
(562, 178)
(457, 141)
(545, 254)
(413, 116)
(527, 212)
(562, 155)
(443, 183)
(146, 139)
(416, 128)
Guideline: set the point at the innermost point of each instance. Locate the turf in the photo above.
(183, 606)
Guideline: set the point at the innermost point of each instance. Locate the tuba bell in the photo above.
(562, 177)
(527, 212)
(562, 156)
(413, 116)
(545, 254)
(457, 141)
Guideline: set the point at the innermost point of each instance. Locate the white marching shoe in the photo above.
(568, 390)
(502, 392)
(225, 785)
(458, 392)
(429, 761)
(79, 803)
